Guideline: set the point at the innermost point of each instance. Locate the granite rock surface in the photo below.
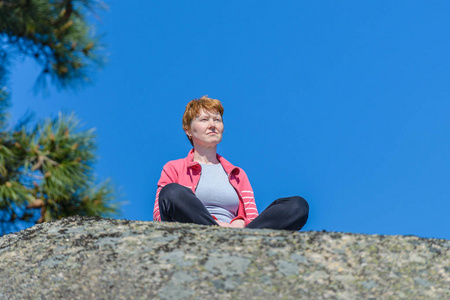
(95, 258)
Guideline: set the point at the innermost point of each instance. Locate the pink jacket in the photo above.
(187, 173)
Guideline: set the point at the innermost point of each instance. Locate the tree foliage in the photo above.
(55, 33)
(49, 168)
(46, 168)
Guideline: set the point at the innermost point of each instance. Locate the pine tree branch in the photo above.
(56, 34)
(46, 172)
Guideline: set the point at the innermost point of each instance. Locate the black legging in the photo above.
(179, 204)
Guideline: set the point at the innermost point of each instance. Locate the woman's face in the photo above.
(206, 129)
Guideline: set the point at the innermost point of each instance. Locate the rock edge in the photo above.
(86, 258)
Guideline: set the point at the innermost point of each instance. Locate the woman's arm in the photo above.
(247, 209)
(165, 179)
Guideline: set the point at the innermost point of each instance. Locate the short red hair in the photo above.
(194, 107)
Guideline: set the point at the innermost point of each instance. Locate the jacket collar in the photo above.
(227, 166)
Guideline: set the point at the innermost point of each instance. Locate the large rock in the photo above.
(94, 258)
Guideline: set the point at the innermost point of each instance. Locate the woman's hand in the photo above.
(223, 224)
(239, 223)
(235, 224)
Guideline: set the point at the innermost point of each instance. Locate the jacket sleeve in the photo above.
(168, 175)
(247, 209)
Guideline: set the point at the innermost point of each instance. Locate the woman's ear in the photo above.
(188, 133)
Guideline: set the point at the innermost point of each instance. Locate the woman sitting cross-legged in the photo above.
(204, 188)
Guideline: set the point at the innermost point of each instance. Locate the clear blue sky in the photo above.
(346, 103)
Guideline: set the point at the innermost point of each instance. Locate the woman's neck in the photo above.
(206, 155)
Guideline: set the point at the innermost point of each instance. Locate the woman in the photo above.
(204, 188)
